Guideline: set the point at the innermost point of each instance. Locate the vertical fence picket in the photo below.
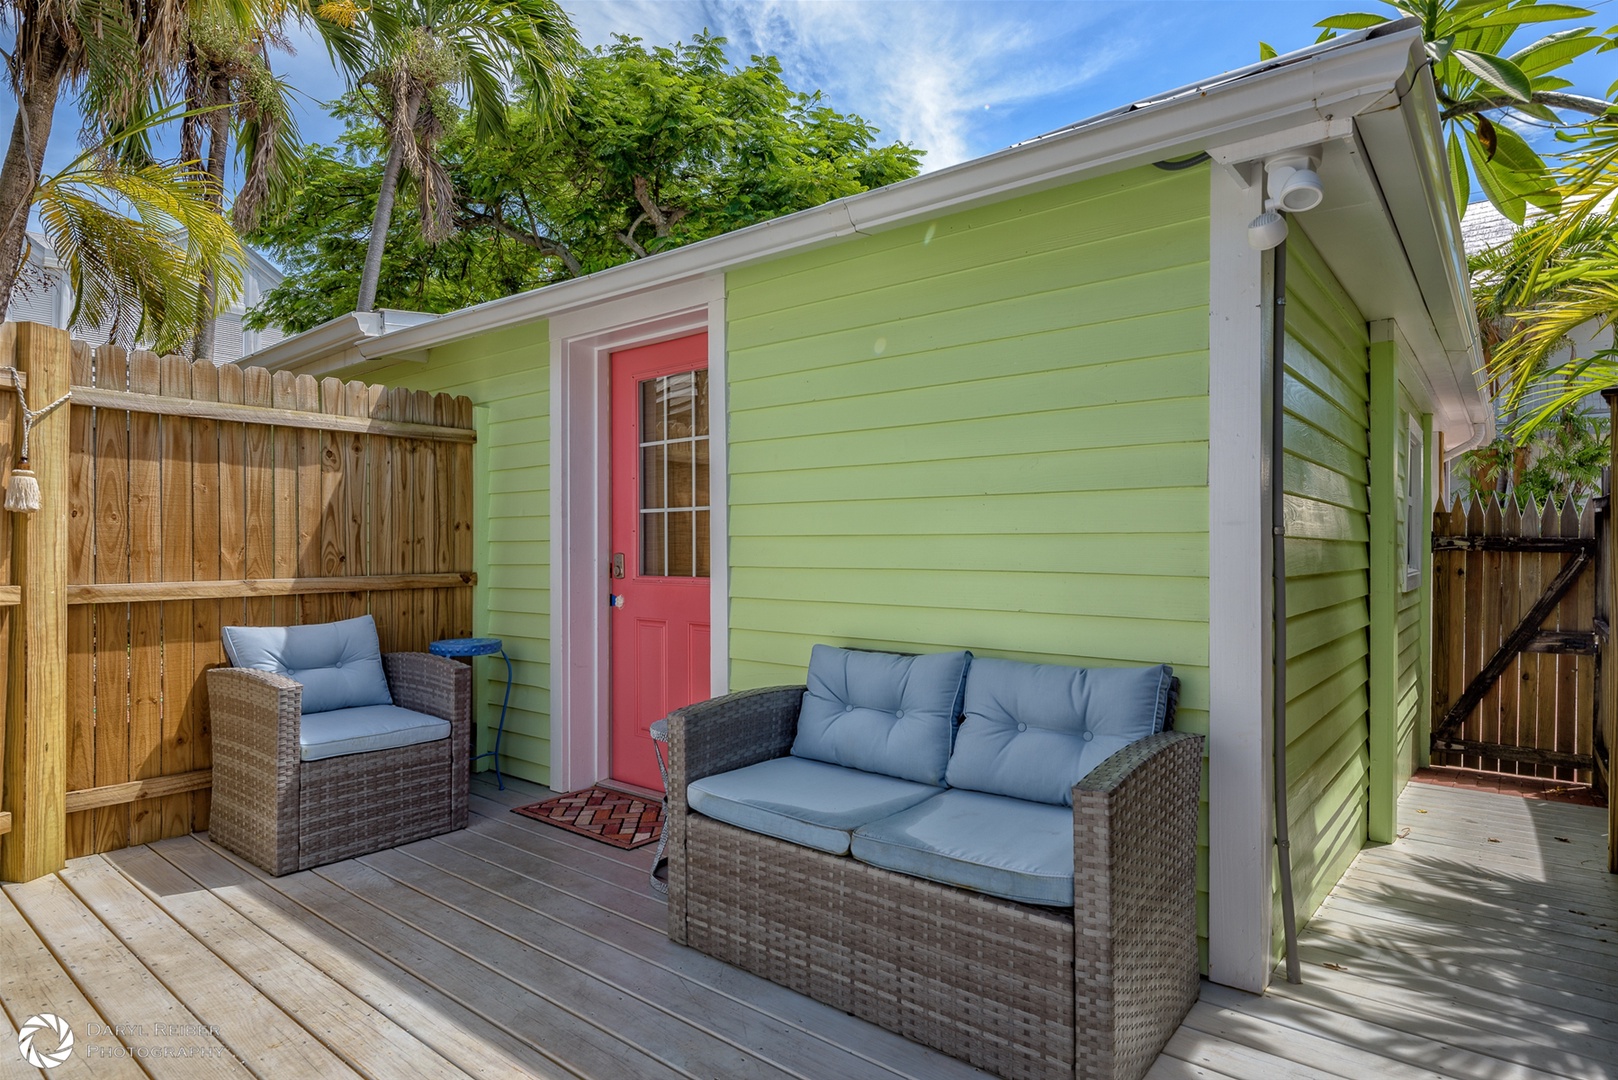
(313, 607)
(356, 403)
(1513, 605)
(463, 557)
(1535, 570)
(177, 526)
(333, 531)
(111, 620)
(207, 554)
(424, 508)
(81, 517)
(259, 467)
(146, 541)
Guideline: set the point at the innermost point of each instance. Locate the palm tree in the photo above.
(421, 51)
(134, 241)
(1559, 274)
(113, 51)
(230, 90)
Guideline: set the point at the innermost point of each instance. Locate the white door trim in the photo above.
(581, 343)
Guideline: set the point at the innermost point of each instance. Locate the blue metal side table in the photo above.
(481, 646)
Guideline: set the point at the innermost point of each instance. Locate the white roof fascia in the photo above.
(1365, 74)
(1406, 150)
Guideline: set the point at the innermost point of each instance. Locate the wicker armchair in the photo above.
(285, 814)
(1023, 991)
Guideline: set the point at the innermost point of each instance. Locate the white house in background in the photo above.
(43, 295)
(1483, 227)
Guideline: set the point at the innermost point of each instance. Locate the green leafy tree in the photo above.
(1562, 461)
(662, 147)
(1483, 88)
(323, 231)
(420, 52)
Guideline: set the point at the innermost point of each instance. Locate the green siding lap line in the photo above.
(1327, 480)
(989, 431)
(507, 375)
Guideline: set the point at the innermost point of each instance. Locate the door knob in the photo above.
(617, 564)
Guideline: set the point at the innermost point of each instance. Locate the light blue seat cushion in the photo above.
(1010, 848)
(364, 728)
(338, 663)
(806, 802)
(1032, 731)
(881, 712)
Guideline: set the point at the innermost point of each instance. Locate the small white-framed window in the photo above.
(1415, 505)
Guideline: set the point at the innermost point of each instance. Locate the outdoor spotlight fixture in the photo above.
(1293, 186)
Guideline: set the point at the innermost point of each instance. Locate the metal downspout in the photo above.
(1278, 568)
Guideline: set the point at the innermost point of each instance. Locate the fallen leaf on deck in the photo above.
(1404, 832)
(1494, 839)
(1421, 811)
(1334, 967)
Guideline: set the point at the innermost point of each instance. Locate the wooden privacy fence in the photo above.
(1517, 629)
(188, 498)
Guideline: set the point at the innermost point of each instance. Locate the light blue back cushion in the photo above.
(881, 712)
(1032, 731)
(338, 663)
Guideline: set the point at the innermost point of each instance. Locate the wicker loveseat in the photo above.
(382, 761)
(1024, 990)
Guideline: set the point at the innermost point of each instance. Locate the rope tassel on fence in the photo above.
(22, 490)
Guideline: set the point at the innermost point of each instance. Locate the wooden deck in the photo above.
(1482, 945)
(514, 949)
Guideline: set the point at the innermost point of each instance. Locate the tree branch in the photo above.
(542, 244)
(1575, 102)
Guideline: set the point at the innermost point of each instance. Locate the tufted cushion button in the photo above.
(1088, 735)
(899, 715)
(848, 708)
(1022, 727)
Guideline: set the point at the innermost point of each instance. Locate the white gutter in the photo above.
(334, 341)
(1353, 75)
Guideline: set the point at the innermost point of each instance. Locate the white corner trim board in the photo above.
(581, 343)
(1240, 834)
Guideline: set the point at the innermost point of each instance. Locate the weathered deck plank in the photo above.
(243, 1019)
(120, 988)
(368, 1041)
(394, 968)
(513, 949)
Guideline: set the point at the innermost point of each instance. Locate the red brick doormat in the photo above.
(624, 821)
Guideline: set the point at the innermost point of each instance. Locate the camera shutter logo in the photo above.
(37, 1025)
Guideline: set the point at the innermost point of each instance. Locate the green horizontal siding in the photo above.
(1326, 476)
(508, 373)
(989, 431)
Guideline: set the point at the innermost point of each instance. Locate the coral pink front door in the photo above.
(659, 560)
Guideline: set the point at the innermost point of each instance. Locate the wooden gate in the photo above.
(1516, 663)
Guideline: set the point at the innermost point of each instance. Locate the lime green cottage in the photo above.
(1020, 406)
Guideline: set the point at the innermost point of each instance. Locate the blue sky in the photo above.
(957, 78)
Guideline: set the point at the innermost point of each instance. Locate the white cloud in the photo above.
(923, 72)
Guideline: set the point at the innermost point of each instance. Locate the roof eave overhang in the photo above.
(1339, 83)
(320, 350)
(1377, 83)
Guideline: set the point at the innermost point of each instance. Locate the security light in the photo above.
(1293, 187)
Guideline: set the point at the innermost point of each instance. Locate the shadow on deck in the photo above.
(1480, 946)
